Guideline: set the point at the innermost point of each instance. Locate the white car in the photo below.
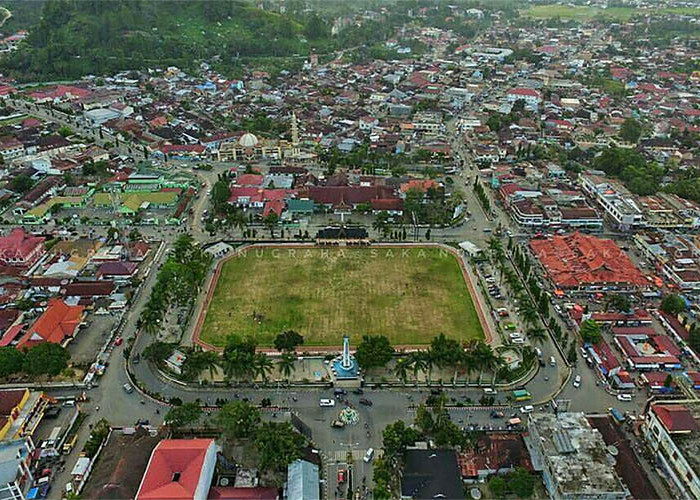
(368, 455)
(327, 403)
(518, 340)
(624, 397)
(527, 409)
(577, 381)
(515, 335)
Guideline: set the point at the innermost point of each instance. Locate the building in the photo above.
(672, 432)
(303, 481)
(19, 249)
(615, 200)
(15, 468)
(573, 458)
(431, 474)
(584, 262)
(21, 411)
(179, 469)
(58, 324)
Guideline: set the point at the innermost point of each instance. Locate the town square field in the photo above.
(409, 294)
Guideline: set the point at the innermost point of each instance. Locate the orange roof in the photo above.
(423, 185)
(58, 322)
(174, 469)
(578, 259)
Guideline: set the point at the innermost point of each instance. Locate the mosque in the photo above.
(249, 147)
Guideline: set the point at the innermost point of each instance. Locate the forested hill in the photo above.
(79, 37)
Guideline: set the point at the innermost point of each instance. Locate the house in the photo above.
(431, 474)
(119, 271)
(531, 96)
(179, 469)
(58, 324)
(19, 249)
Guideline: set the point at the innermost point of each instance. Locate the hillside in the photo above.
(78, 37)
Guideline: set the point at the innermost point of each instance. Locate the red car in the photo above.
(341, 475)
(119, 341)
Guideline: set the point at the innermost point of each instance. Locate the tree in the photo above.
(237, 419)
(158, 351)
(220, 194)
(11, 360)
(397, 437)
(46, 359)
(424, 420)
(287, 364)
(65, 131)
(417, 362)
(381, 223)
(590, 331)
(521, 482)
(21, 184)
(181, 416)
(630, 130)
(198, 361)
(619, 302)
(262, 365)
(497, 487)
(401, 369)
(288, 340)
(672, 304)
(278, 445)
(374, 351)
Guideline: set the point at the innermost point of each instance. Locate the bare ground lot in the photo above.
(408, 294)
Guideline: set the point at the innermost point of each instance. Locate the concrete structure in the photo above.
(672, 432)
(573, 458)
(302, 481)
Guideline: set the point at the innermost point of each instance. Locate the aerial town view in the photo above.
(361, 249)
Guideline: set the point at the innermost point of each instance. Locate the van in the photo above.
(490, 391)
(327, 403)
(624, 397)
(368, 455)
(527, 409)
(552, 361)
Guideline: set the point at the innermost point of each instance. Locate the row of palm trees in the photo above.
(179, 281)
(527, 310)
(474, 357)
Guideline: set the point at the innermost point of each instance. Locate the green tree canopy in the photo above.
(374, 351)
(278, 445)
(11, 361)
(672, 304)
(590, 331)
(46, 359)
(288, 340)
(631, 130)
(238, 419)
(184, 415)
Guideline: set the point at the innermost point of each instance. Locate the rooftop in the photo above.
(577, 455)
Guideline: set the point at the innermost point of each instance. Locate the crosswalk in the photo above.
(341, 456)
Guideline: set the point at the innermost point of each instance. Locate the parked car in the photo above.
(527, 409)
(365, 401)
(118, 341)
(328, 403)
(624, 397)
(341, 476)
(577, 381)
(497, 414)
(128, 388)
(369, 455)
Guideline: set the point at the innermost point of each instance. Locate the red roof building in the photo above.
(583, 261)
(179, 469)
(58, 325)
(676, 419)
(19, 249)
(233, 493)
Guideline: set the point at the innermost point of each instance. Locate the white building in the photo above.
(672, 432)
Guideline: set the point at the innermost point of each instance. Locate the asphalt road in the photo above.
(110, 401)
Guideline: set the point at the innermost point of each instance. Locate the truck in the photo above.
(521, 395)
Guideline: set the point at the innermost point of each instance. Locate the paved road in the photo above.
(121, 408)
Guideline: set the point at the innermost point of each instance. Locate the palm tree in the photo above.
(287, 364)
(537, 335)
(262, 366)
(401, 369)
(417, 362)
(528, 313)
(210, 360)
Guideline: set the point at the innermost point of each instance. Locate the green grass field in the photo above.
(584, 13)
(410, 295)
